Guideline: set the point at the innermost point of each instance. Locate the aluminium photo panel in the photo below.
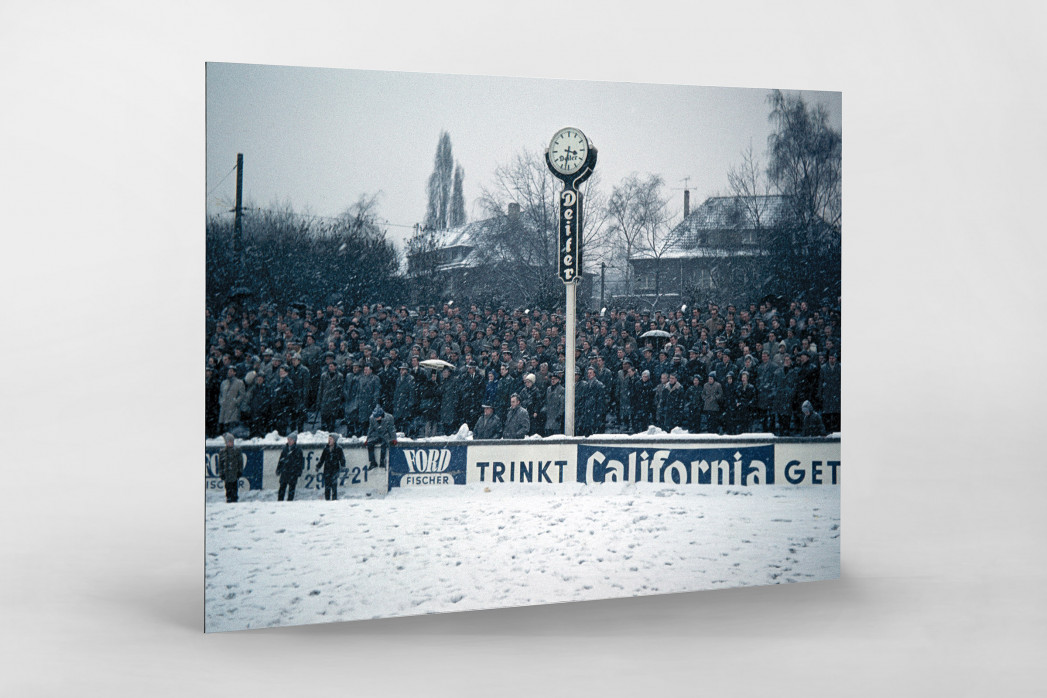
(478, 342)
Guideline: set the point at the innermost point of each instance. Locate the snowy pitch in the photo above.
(420, 551)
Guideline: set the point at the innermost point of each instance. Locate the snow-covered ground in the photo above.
(461, 548)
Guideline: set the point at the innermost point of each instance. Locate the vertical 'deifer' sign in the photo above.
(570, 224)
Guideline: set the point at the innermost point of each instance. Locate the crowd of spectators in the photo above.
(709, 370)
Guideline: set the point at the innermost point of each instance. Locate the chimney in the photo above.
(686, 202)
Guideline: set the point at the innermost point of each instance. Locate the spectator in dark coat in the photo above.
(623, 386)
(555, 395)
(289, 467)
(471, 394)
(212, 390)
(812, 421)
(643, 403)
(517, 423)
(506, 387)
(332, 461)
(282, 403)
(300, 379)
(730, 405)
(351, 400)
(368, 394)
(592, 404)
(532, 400)
(381, 431)
(769, 378)
(693, 404)
(488, 426)
(783, 401)
(329, 397)
(230, 468)
(405, 401)
(673, 403)
(712, 404)
(746, 398)
(448, 402)
(429, 404)
(259, 417)
(830, 393)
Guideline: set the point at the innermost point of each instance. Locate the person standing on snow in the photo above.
(332, 460)
(289, 467)
(230, 468)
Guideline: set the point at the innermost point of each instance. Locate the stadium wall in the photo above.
(682, 462)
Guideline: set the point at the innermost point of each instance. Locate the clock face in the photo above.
(568, 150)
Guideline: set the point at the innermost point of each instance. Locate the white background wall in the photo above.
(102, 179)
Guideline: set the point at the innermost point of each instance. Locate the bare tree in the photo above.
(520, 245)
(639, 212)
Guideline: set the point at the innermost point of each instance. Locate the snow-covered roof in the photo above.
(696, 235)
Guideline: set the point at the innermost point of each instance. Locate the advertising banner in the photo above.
(677, 464)
(523, 463)
(426, 465)
(354, 476)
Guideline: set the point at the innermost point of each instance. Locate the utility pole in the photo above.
(603, 272)
(238, 238)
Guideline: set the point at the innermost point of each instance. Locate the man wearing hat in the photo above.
(554, 403)
(332, 461)
(381, 431)
(329, 396)
(289, 467)
(282, 400)
(488, 426)
(302, 382)
(230, 468)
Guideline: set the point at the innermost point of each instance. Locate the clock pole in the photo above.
(571, 158)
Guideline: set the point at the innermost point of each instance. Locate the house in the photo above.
(718, 251)
(465, 262)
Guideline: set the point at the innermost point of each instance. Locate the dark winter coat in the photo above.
(673, 404)
(488, 427)
(746, 396)
(554, 408)
(812, 424)
(299, 376)
(230, 464)
(331, 461)
(350, 399)
(405, 399)
(643, 400)
(592, 405)
(381, 432)
(329, 393)
(830, 388)
(291, 463)
(517, 423)
(449, 401)
(429, 400)
(368, 393)
(769, 377)
(712, 397)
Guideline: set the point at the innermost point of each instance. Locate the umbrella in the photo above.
(435, 363)
(655, 333)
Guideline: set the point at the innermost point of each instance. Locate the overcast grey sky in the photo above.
(318, 138)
